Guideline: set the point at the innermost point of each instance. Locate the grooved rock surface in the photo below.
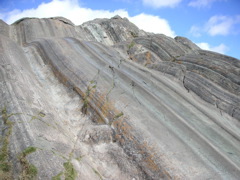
(106, 100)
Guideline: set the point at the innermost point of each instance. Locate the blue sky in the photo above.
(212, 24)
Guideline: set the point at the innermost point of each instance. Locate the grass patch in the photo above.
(28, 151)
(118, 115)
(4, 115)
(131, 45)
(5, 165)
(29, 171)
(58, 176)
(85, 106)
(86, 98)
(70, 173)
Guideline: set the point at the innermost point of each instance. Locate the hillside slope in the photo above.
(106, 100)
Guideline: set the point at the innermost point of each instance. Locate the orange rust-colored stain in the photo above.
(100, 104)
(151, 164)
(148, 58)
(103, 109)
(124, 135)
(133, 58)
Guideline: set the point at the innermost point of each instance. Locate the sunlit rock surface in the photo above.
(106, 100)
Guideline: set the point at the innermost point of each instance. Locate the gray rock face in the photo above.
(106, 100)
(112, 31)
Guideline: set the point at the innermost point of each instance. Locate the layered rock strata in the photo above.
(106, 100)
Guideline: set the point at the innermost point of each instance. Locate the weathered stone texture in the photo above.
(105, 100)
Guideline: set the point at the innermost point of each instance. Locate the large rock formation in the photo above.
(106, 100)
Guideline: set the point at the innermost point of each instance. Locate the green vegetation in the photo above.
(113, 86)
(91, 85)
(40, 117)
(5, 165)
(92, 82)
(4, 115)
(85, 101)
(86, 98)
(97, 173)
(29, 171)
(131, 45)
(134, 34)
(79, 158)
(118, 115)
(59, 155)
(41, 114)
(70, 173)
(28, 150)
(58, 176)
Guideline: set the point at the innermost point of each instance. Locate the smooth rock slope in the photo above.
(106, 100)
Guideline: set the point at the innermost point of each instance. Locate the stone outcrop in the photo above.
(106, 100)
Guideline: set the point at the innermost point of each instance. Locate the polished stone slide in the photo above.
(106, 100)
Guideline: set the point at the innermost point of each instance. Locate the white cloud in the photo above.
(221, 48)
(161, 3)
(71, 10)
(152, 24)
(66, 8)
(195, 31)
(202, 3)
(218, 25)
